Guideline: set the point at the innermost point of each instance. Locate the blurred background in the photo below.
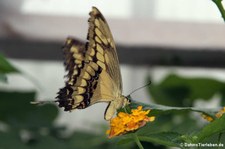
(156, 40)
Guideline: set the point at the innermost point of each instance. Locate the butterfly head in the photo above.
(126, 100)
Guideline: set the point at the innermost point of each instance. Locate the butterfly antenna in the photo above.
(41, 102)
(140, 88)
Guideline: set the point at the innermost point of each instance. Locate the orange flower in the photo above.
(208, 118)
(125, 122)
(218, 115)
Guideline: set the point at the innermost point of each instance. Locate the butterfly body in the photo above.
(93, 70)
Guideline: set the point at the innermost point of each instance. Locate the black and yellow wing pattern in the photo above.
(93, 70)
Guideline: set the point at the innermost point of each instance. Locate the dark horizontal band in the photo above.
(133, 55)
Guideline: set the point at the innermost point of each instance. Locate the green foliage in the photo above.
(215, 127)
(25, 126)
(6, 68)
(219, 5)
(161, 109)
(175, 122)
(178, 91)
(19, 107)
(165, 131)
(31, 126)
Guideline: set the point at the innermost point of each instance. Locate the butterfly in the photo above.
(93, 70)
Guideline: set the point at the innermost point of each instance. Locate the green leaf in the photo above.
(161, 109)
(79, 140)
(215, 138)
(180, 91)
(14, 139)
(47, 142)
(165, 138)
(215, 127)
(11, 140)
(15, 108)
(219, 5)
(14, 104)
(43, 115)
(171, 139)
(6, 67)
(125, 140)
(95, 141)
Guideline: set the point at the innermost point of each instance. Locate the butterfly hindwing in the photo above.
(81, 79)
(74, 52)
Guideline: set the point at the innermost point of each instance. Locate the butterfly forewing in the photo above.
(101, 39)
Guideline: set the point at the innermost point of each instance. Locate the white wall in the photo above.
(171, 10)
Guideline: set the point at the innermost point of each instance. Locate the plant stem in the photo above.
(125, 109)
(220, 7)
(137, 141)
